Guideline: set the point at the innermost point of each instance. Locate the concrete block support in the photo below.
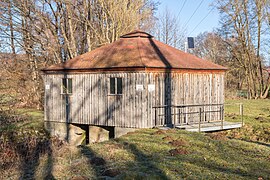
(118, 131)
(98, 134)
(104, 133)
(76, 134)
(71, 133)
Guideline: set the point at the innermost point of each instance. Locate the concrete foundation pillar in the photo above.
(119, 131)
(104, 133)
(71, 133)
(76, 134)
(98, 134)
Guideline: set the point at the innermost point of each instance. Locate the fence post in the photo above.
(241, 113)
(221, 116)
(200, 119)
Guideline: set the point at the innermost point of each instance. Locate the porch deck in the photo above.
(211, 126)
(200, 118)
(206, 127)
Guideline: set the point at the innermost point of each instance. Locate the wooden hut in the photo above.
(135, 82)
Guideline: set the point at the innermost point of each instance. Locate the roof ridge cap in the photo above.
(137, 33)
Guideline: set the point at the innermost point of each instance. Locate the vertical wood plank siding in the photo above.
(90, 102)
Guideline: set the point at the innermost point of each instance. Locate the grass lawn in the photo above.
(256, 118)
(21, 119)
(255, 111)
(179, 154)
(155, 154)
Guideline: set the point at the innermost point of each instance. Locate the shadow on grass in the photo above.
(214, 167)
(49, 166)
(29, 151)
(257, 142)
(143, 164)
(23, 147)
(99, 165)
(236, 160)
(146, 166)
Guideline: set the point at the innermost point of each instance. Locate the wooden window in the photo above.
(116, 86)
(66, 86)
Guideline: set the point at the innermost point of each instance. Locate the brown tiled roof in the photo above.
(136, 50)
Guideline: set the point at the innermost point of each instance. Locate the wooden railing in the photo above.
(178, 115)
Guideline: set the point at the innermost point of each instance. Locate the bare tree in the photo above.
(245, 19)
(53, 31)
(169, 31)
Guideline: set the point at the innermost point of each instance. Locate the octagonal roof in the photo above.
(136, 49)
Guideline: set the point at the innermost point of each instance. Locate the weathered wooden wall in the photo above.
(90, 102)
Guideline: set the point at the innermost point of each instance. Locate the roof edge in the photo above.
(132, 69)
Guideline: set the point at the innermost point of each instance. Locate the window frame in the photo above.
(118, 90)
(67, 86)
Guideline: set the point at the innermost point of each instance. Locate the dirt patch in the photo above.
(171, 131)
(177, 151)
(261, 119)
(217, 136)
(159, 132)
(112, 149)
(57, 143)
(251, 133)
(80, 178)
(111, 172)
(113, 146)
(167, 138)
(97, 161)
(179, 142)
(132, 132)
(231, 115)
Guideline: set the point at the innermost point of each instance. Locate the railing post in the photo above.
(174, 117)
(204, 110)
(221, 116)
(155, 116)
(186, 115)
(241, 113)
(165, 113)
(200, 111)
(179, 117)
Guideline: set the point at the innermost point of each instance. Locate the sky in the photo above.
(205, 18)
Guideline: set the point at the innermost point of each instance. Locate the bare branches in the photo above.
(169, 31)
(244, 20)
(53, 31)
